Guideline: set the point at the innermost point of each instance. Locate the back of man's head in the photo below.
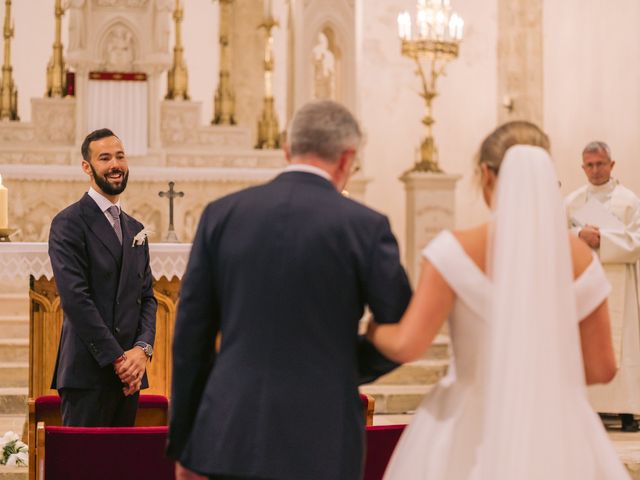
(324, 129)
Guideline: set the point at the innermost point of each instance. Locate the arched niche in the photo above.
(118, 47)
(335, 21)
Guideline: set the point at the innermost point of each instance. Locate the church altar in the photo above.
(21, 260)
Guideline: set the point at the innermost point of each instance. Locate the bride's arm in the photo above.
(595, 329)
(429, 308)
(597, 349)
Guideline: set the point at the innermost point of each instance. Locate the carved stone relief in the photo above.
(23, 157)
(77, 31)
(118, 51)
(161, 29)
(54, 120)
(11, 132)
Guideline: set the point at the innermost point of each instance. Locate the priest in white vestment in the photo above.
(606, 216)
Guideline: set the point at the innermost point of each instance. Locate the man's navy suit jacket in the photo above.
(106, 293)
(284, 272)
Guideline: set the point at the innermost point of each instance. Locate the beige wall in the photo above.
(592, 84)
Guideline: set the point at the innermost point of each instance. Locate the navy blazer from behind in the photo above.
(284, 272)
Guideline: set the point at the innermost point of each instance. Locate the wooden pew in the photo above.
(78, 453)
(153, 410)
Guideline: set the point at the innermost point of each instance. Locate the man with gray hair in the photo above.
(283, 272)
(606, 216)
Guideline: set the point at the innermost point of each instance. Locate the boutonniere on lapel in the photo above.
(141, 237)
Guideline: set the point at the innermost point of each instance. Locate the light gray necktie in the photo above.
(114, 211)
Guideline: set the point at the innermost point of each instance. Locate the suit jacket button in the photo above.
(117, 329)
(139, 275)
(138, 301)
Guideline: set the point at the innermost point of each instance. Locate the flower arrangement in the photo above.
(13, 452)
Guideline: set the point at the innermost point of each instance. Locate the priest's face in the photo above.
(597, 167)
(108, 167)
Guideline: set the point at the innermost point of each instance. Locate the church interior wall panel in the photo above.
(591, 75)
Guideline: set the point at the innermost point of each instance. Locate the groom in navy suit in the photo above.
(105, 286)
(283, 272)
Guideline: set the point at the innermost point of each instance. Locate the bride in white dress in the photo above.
(529, 326)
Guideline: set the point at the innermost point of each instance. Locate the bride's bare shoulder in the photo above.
(581, 255)
(474, 243)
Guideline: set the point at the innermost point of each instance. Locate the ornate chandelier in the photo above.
(435, 41)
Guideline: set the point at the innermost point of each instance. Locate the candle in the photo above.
(422, 24)
(404, 25)
(440, 25)
(267, 8)
(453, 25)
(4, 205)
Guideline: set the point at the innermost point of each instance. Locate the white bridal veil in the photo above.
(535, 380)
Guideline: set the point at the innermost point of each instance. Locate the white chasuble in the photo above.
(619, 253)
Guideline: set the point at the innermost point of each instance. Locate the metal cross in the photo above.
(171, 194)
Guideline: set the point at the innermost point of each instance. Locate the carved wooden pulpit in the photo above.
(31, 261)
(46, 324)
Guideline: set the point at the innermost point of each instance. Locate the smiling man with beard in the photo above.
(105, 286)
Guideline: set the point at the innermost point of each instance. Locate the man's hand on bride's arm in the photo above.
(430, 305)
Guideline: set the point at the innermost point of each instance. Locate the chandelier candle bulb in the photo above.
(4, 205)
(404, 25)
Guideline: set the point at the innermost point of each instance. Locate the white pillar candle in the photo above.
(267, 8)
(4, 205)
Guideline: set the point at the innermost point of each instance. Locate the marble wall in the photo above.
(590, 69)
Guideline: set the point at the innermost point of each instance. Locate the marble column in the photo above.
(430, 208)
(520, 61)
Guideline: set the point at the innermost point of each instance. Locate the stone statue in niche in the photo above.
(161, 25)
(118, 50)
(324, 69)
(76, 23)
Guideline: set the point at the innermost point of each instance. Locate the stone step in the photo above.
(420, 372)
(396, 399)
(14, 326)
(13, 473)
(14, 350)
(13, 400)
(14, 303)
(439, 349)
(15, 423)
(14, 374)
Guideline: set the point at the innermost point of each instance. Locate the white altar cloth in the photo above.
(18, 260)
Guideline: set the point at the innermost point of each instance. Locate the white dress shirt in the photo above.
(305, 167)
(103, 204)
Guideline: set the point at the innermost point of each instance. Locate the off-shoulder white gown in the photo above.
(443, 441)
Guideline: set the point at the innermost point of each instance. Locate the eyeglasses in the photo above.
(598, 165)
(355, 167)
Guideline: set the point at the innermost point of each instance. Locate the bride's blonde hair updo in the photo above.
(518, 132)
